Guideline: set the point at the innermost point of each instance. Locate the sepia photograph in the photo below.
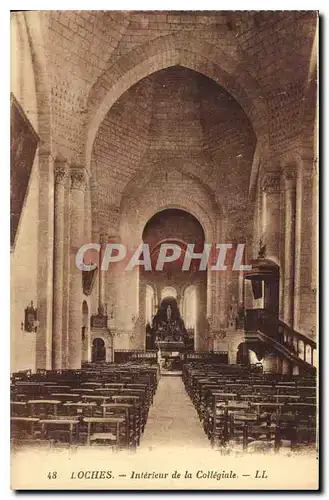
(164, 248)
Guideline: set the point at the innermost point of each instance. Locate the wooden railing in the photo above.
(298, 344)
(214, 357)
(303, 346)
(128, 355)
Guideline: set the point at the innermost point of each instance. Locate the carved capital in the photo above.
(78, 178)
(289, 176)
(271, 182)
(103, 238)
(61, 174)
(219, 335)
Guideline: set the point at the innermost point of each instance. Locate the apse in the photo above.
(184, 290)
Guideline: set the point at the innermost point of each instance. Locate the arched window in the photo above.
(168, 291)
(149, 304)
(190, 307)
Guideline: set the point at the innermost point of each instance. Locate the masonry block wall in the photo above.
(24, 257)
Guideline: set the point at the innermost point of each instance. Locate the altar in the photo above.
(168, 332)
(168, 336)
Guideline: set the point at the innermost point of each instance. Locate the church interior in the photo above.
(164, 127)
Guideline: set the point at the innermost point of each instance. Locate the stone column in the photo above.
(102, 274)
(78, 184)
(61, 176)
(66, 275)
(304, 298)
(298, 236)
(220, 306)
(141, 341)
(289, 246)
(197, 333)
(271, 215)
(315, 228)
(45, 260)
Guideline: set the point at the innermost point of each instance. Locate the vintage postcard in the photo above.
(164, 250)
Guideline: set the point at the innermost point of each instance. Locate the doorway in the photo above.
(98, 350)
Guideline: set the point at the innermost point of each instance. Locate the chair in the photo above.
(22, 429)
(237, 423)
(131, 435)
(79, 409)
(19, 409)
(259, 436)
(62, 430)
(104, 431)
(43, 408)
(65, 398)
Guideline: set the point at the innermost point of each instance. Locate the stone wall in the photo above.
(24, 254)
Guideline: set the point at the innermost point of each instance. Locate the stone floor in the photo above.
(172, 418)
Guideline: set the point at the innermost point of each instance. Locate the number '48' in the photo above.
(52, 475)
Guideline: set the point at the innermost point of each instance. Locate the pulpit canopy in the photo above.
(263, 270)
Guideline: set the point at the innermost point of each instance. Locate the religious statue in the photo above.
(169, 313)
(167, 324)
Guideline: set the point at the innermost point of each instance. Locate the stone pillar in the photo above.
(289, 246)
(78, 184)
(66, 275)
(221, 281)
(141, 341)
(45, 260)
(198, 340)
(315, 224)
(271, 215)
(102, 274)
(305, 308)
(61, 176)
(298, 236)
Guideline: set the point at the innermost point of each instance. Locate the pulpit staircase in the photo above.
(273, 335)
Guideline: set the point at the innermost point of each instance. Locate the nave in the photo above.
(173, 420)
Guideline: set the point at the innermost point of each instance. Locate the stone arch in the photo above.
(169, 200)
(34, 27)
(183, 50)
(309, 137)
(291, 161)
(153, 168)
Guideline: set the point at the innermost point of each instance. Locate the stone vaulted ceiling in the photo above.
(174, 116)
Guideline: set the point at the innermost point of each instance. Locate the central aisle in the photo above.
(172, 418)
